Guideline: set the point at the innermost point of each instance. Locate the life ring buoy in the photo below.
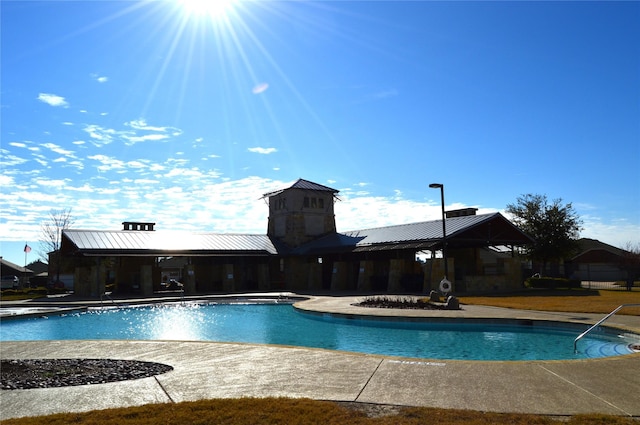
(445, 286)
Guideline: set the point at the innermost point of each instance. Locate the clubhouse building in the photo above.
(302, 251)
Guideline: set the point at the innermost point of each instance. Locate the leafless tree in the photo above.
(52, 235)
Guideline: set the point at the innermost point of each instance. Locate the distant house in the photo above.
(38, 267)
(597, 261)
(301, 251)
(40, 273)
(7, 268)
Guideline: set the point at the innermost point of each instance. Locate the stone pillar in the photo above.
(94, 283)
(146, 280)
(339, 276)
(396, 268)
(437, 272)
(314, 280)
(263, 277)
(80, 282)
(228, 278)
(189, 279)
(365, 271)
(512, 273)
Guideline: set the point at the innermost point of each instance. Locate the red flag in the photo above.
(27, 248)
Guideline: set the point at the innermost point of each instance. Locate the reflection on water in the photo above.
(283, 325)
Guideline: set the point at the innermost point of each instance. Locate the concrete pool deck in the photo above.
(224, 370)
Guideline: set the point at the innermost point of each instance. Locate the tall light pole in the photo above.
(444, 228)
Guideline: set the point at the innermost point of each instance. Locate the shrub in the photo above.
(552, 283)
(40, 291)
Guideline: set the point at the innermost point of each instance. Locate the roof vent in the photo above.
(461, 212)
(134, 225)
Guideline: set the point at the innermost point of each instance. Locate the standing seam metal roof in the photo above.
(168, 241)
(419, 236)
(422, 235)
(304, 185)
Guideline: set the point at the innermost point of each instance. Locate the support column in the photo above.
(365, 271)
(189, 279)
(228, 278)
(339, 276)
(146, 280)
(437, 272)
(263, 277)
(94, 286)
(314, 280)
(396, 268)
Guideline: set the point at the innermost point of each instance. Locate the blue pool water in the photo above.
(282, 324)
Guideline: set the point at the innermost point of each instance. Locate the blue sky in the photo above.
(162, 111)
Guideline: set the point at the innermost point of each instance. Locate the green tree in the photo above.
(554, 227)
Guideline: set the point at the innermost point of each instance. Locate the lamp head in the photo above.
(436, 185)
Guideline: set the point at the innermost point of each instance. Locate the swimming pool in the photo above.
(282, 324)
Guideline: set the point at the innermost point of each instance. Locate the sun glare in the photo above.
(207, 8)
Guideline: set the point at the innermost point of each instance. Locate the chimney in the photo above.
(461, 212)
(135, 225)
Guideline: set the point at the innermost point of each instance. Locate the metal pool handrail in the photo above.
(106, 295)
(575, 342)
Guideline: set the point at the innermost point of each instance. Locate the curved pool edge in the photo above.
(346, 306)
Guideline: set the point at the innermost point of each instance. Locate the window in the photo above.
(280, 204)
(313, 202)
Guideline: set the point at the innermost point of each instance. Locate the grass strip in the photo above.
(245, 411)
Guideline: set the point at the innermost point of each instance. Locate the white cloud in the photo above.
(145, 138)
(102, 136)
(141, 124)
(78, 164)
(57, 149)
(99, 78)
(99, 135)
(6, 181)
(10, 160)
(52, 182)
(263, 151)
(40, 159)
(107, 163)
(53, 100)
